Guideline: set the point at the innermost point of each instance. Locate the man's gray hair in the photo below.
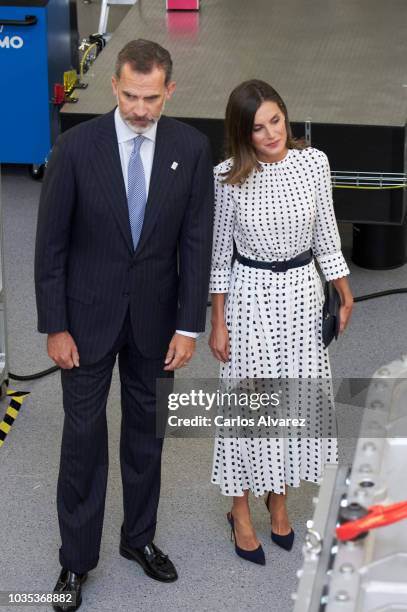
(143, 56)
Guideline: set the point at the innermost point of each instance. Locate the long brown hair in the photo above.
(241, 109)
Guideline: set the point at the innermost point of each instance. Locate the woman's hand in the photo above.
(345, 310)
(219, 342)
(219, 338)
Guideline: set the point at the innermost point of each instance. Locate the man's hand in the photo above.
(62, 349)
(179, 352)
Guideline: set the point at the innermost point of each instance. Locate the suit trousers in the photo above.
(82, 481)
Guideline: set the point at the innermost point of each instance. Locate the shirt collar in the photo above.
(124, 133)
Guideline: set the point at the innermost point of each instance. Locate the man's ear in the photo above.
(114, 85)
(170, 90)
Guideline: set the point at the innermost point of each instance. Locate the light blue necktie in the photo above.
(136, 191)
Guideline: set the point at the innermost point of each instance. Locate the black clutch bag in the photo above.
(330, 314)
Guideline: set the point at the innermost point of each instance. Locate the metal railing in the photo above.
(368, 180)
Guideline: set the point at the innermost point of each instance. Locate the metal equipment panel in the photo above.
(24, 103)
(35, 50)
(368, 573)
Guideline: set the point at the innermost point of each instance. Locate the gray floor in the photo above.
(332, 62)
(191, 515)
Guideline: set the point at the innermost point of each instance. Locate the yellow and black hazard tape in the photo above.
(17, 399)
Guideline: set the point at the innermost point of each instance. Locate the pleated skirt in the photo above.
(274, 321)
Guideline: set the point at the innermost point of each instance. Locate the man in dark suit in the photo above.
(121, 268)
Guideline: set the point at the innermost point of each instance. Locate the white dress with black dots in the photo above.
(274, 319)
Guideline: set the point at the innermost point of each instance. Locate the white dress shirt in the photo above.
(125, 138)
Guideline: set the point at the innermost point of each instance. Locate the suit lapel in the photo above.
(161, 179)
(107, 164)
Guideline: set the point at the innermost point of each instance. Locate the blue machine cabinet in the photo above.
(35, 51)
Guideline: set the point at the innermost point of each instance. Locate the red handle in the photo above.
(59, 94)
(378, 516)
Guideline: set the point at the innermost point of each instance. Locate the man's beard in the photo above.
(141, 129)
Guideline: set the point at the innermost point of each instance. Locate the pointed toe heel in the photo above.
(284, 541)
(255, 556)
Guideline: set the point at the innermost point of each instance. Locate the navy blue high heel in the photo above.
(255, 556)
(284, 541)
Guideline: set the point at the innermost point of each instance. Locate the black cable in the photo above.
(34, 376)
(361, 298)
(370, 296)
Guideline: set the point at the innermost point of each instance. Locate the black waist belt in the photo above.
(277, 266)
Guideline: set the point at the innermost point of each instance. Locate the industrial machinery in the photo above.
(355, 551)
(89, 50)
(38, 43)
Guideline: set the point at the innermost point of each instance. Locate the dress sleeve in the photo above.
(326, 243)
(222, 249)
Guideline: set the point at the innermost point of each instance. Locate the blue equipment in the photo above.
(36, 48)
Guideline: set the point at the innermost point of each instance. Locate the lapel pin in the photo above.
(174, 165)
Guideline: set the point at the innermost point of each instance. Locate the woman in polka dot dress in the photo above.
(273, 199)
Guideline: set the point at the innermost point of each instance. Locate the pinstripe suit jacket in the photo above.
(87, 273)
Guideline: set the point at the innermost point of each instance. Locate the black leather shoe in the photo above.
(69, 582)
(154, 562)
